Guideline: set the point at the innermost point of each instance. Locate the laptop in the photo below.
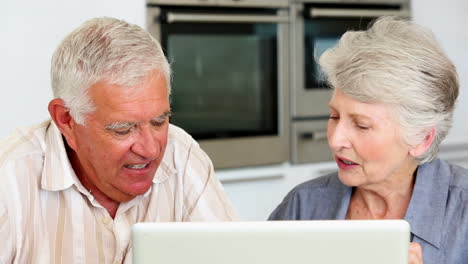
(274, 242)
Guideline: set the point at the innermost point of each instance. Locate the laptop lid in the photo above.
(275, 242)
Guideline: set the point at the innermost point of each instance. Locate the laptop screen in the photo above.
(276, 242)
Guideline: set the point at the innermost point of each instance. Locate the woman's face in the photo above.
(365, 140)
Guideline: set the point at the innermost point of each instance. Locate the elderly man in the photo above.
(72, 187)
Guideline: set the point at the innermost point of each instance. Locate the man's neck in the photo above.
(108, 203)
(105, 201)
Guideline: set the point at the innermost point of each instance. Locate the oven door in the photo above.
(318, 28)
(229, 78)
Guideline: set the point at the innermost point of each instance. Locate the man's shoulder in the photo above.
(180, 137)
(21, 162)
(23, 142)
(182, 149)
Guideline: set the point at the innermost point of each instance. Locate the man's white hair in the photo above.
(399, 63)
(103, 49)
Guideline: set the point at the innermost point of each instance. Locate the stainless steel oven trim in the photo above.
(251, 151)
(153, 27)
(338, 12)
(224, 3)
(304, 102)
(231, 18)
(354, 2)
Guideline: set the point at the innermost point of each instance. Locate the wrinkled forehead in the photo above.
(147, 95)
(346, 104)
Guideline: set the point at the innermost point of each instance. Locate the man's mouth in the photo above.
(137, 166)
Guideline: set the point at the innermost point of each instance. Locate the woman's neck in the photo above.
(386, 200)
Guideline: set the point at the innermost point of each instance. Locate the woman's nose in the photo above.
(338, 136)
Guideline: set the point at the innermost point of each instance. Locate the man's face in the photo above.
(118, 150)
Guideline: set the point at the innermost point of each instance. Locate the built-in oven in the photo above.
(316, 26)
(230, 81)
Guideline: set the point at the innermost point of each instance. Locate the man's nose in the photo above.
(146, 144)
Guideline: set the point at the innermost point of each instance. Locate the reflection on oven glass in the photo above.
(320, 35)
(320, 46)
(224, 85)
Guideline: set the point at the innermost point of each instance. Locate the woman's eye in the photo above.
(362, 127)
(334, 117)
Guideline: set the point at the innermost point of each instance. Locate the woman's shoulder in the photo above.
(318, 198)
(325, 181)
(459, 177)
(455, 227)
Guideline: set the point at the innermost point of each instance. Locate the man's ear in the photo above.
(422, 147)
(62, 118)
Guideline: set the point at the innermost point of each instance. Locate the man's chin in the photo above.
(139, 188)
(131, 192)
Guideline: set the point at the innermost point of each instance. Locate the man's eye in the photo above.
(158, 123)
(122, 132)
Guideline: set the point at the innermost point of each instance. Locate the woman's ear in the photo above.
(424, 145)
(62, 118)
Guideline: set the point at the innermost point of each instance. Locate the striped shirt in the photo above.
(47, 216)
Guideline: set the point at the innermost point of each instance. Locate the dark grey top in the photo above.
(437, 213)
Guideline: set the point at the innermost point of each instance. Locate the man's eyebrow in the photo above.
(162, 117)
(128, 125)
(120, 125)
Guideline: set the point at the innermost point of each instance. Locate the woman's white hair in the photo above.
(103, 49)
(399, 63)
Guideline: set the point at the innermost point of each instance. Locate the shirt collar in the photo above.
(58, 174)
(426, 209)
(425, 212)
(343, 196)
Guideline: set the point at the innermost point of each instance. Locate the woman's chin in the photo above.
(348, 179)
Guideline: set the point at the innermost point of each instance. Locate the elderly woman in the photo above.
(393, 101)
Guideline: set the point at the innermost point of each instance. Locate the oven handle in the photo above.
(338, 12)
(314, 135)
(203, 18)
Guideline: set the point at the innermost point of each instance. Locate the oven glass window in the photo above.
(320, 45)
(320, 35)
(224, 78)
